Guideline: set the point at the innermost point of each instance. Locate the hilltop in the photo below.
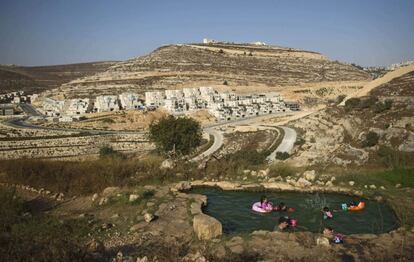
(40, 78)
(239, 67)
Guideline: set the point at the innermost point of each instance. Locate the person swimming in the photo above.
(286, 223)
(265, 204)
(282, 207)
(327, 214)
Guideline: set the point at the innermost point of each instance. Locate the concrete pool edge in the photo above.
(197, 206)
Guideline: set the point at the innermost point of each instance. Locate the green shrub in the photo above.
(11, 208)
(383, 106)
(394, 158)
(281, 169)
(299, 141)
(371, 139)
(282, 155)
(177, 136)
(108, 151)
(107, 120)
(352, 103)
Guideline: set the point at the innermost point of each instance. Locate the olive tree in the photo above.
(176, 135)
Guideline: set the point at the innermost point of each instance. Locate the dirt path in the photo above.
(380, 81)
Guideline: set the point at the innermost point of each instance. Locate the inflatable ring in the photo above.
(257, 207)
(360, 206)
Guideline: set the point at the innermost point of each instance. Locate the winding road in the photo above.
(218, 142)
(287, 143)
(285, 146)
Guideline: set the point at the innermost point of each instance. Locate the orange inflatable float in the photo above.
(359, 207)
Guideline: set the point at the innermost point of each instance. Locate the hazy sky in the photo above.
(40, 32)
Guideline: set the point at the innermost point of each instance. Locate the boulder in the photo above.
(373, 187)
(329, 184)
(95, 197)
(197, 257)
(138, 226)
(309, 175)
(142, 259)
(109, 191)
(351, 183)
(302, 182)
(398, 185)
(181, 186)
(167, 164)
(103, 201)
(133, 197)
(206, 227)
(95, 246)
(148, 217)
(322, 241)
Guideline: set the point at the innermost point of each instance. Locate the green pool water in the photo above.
(233, 210)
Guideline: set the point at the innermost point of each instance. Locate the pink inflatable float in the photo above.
(262, 208)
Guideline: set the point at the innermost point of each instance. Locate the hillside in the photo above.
(39, 78)
(339, 135)
(243, 67)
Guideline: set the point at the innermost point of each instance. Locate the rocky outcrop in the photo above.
(206, 227)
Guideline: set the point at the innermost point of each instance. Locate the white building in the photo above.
(52, 107)
(170, 94)
(106, 104)
(78, 107)
(191, 92)
(154, 98)
(130, 101)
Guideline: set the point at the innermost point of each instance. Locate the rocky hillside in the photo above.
(377, 129)
(39, 78)
(238, 66)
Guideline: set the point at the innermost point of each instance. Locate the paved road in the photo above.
(30, 110)
(287, 143)
(218, 142)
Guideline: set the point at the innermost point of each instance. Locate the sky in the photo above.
(44, 32)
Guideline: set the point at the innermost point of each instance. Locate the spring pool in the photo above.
(233, 210)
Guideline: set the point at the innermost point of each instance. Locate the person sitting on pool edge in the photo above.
(329, 233)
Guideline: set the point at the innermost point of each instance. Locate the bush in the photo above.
(248, 158)
(394, 158)
(107, 120)
(282, 155)
(352, 103)
(371, 139)
(225, 83)
(281, 169)
(383, 106)
(11, 208)
(299, 141)
(82, 177)
(107, 151)
(176, 135)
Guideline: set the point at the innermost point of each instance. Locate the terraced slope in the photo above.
(176, 66)
(39, 78)
(338, 135)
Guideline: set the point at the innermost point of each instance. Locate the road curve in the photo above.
(287, 143)
(218, 142)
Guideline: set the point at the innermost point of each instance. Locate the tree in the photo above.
(371, 139)
(179, 136)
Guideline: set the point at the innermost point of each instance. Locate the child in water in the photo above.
(282, 207)
(327, 214)
(265, 204)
